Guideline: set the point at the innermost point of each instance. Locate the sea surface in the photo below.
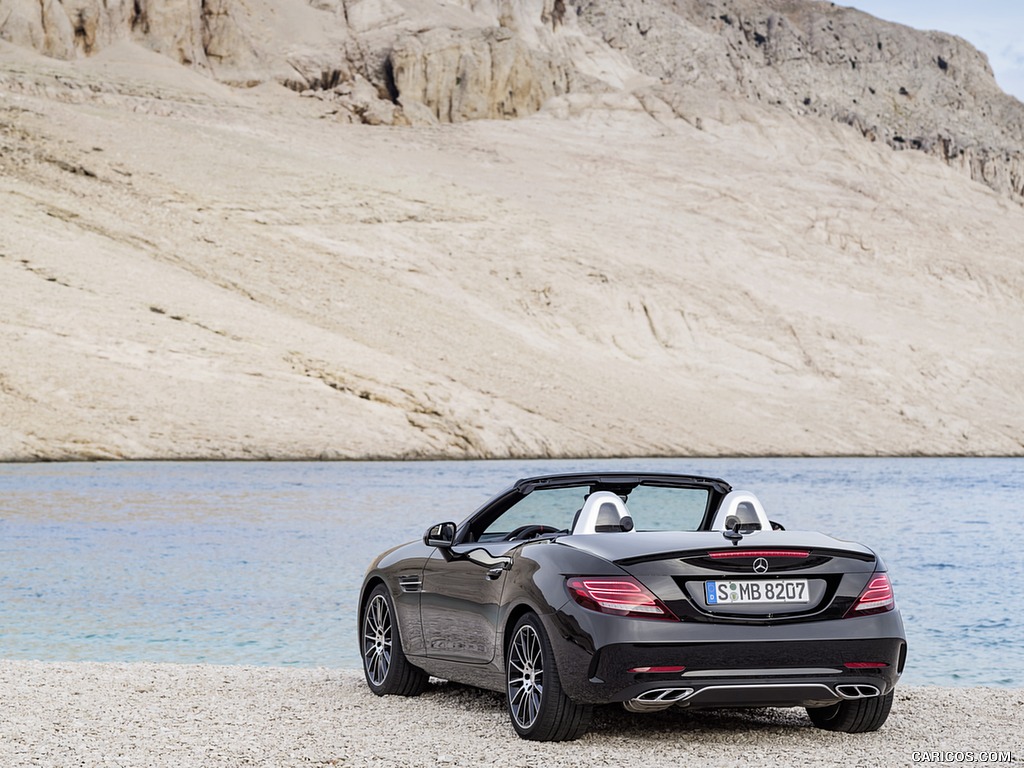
(260, 563)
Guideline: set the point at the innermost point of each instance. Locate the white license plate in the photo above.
(768, 592)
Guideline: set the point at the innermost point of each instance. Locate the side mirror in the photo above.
(441, 535)
(777, 526)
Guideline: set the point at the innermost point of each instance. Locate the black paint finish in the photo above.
(456, 605)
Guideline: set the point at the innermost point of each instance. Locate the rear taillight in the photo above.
(875, 598)
(623, 596)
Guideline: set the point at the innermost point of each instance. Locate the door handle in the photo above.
(494, 573)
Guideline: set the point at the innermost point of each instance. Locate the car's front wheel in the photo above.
(854, 716)
(537, 705)
(387, 669)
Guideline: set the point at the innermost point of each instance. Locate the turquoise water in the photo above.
(259, 563)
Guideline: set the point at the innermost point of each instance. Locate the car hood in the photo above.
(663, 544)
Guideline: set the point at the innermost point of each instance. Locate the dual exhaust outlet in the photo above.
(657, 700)
(857, 691)
(662, 698)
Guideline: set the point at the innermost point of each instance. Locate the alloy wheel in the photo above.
(525, 676)
(377, 640)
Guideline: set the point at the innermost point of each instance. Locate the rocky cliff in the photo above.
(927, 91)
(442, 61)
(388, 61)
(198, 262)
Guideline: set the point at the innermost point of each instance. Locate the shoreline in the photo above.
(145, 714)
(313, 458)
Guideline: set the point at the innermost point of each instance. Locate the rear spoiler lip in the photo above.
(692, 554)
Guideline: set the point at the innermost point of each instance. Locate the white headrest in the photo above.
(598, 509)
(746, 506)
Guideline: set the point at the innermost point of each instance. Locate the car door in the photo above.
(460, 599)
(463, 584)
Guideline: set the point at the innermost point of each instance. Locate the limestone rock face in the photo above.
(927, 91)
(482, 73)
(443, 61)
(184, 30)
(525, 53)
(427, 60)
(668, 266)
(39, 24)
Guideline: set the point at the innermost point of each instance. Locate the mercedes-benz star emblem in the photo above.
(760, 565)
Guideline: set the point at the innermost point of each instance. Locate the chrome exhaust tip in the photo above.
(657, 699)
(858, 691)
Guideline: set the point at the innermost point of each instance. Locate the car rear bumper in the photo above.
(779, 673)
(782, 692)
(716, 665)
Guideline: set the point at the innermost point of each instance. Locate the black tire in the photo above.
(854, 716)
(537, 705)
(387, 670)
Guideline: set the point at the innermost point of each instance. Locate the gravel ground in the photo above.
(87, 714)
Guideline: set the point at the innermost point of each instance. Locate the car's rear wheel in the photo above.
(854, 716)
(387, 669)
(537, 705)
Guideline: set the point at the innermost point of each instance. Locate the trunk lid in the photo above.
(767, 577)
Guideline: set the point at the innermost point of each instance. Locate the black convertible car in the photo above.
(654, 590)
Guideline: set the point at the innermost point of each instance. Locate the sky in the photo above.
(995, 27)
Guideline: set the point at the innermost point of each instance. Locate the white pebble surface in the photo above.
(86, 715)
